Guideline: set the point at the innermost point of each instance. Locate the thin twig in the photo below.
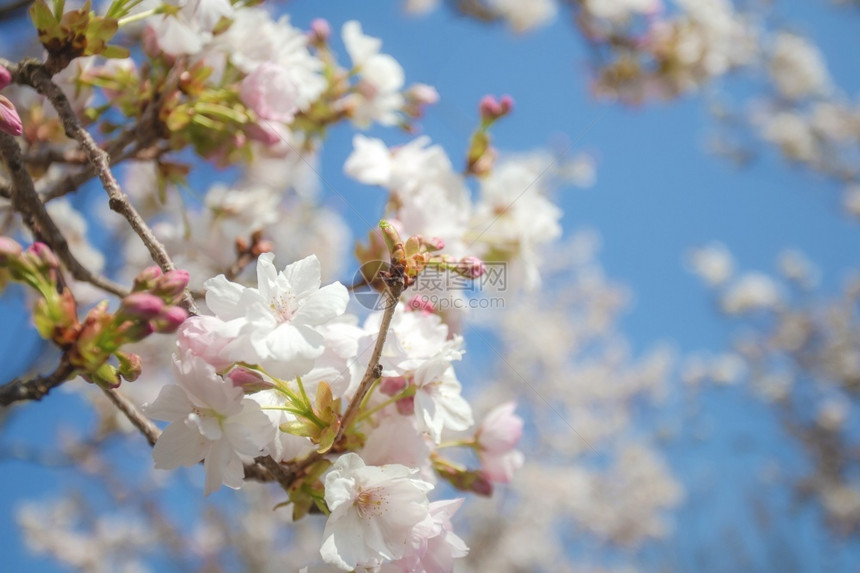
(135, 416)
(395, 288)
(36, 217)
(35, 388)
(35, 75)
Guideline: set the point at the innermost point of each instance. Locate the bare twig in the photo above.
(36, 217)
(395, 286)
(135, 416)
(35, 388)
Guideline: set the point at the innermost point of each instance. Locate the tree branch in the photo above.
(36, 217)
(35, 388)
(35, 75)
(135, 416)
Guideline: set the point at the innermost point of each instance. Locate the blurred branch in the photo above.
(35, 75)
(27, 202)
(35, 388)
(14, 9)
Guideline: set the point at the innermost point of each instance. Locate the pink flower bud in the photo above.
(393, 385)
(471, 267)
(489, 107)
(172, 284)
(482, 486)
(43, 255)
(146, 279)
(506, 104)
(406, 406)
(170, 319)
(320, 31)
(130, 366)
(248, 380)
(9, 249)
(142, 305)
(420, 302)
(435, 244)
(10, 122)
(5, 77)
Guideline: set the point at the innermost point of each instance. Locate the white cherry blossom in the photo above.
(277, 321)
(210, 420)
(374, 510)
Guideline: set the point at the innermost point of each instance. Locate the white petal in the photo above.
(171, 405)
(250, 430)
(323, 305)
(304, 275)
(223, 297)
(267, 276)
(180, 444)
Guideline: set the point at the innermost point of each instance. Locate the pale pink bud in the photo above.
(406, 406)
(147, 277)
(142, 305)
(422, 94)
(248, 380)
(270, 92)
(5, 77)
(392, 385)
(172, 284)
(471, 267)
(170, 319)
(10, 122)
(421, 303)
(435, 244)
(489, 107)
(320, 31)
(506, 104)
(43, 254)
(9, 249)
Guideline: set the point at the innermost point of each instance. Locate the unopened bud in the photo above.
(406, 406)
(9, 249)
(130, 366)
(170, 319)
(392, 385)
(482, 486)
(471, 267)
(250, 381)
(492, 109)
(320, 32)
(172, 284)
(10, 121)
(434, 244)
(146, 279)
(142, 305)
(5, 77)
(421, 303)
(43, 255)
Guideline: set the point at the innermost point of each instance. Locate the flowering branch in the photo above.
(135, 416)
(35, 75)
(27, 202)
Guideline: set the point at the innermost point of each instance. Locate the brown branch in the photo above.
(35, 388)
(26, 201)
(35, 75)
(135, 416)
(395, 287)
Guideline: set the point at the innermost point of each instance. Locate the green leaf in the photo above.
(114, 52)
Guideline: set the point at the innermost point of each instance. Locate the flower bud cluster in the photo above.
(89, 344)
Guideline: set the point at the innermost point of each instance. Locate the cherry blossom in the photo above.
(210, 420)
(374, 511)
(276, 323)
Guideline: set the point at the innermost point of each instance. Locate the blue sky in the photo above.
(657, 193)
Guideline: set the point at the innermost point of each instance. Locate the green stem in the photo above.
(405, 393)
(466, 443)
(136, 17)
